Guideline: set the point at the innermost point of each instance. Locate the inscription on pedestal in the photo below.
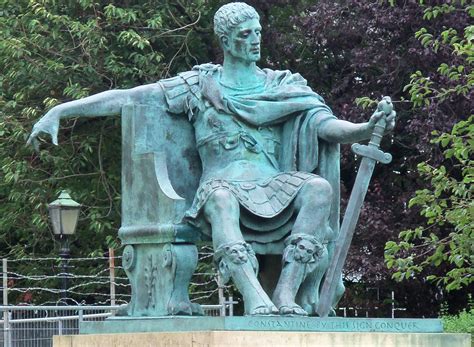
(263, 323)
(342, 324)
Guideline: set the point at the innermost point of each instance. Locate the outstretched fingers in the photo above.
(33, 139)
(37, 130)
(54, 136)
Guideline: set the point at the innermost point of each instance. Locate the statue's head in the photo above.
(237, 25)
(231, 15)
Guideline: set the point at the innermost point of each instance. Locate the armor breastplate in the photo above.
(233, 150)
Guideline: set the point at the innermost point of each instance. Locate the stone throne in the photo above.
(160, 175)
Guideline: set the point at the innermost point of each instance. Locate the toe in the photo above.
(285, 310)
(299, 311)
(296, 310)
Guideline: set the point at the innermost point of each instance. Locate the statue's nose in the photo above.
(255, 39)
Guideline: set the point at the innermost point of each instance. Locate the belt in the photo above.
(231, 139)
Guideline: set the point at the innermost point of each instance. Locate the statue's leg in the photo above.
(234, 257)
(313, 204)
(305, 246)
(340, 289)
(308, 293)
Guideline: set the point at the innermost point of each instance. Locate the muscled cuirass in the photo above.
(232, 149)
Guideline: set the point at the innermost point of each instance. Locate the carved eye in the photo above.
(245, 34)
(301, 247)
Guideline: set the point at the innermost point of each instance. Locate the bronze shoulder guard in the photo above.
(182, 93)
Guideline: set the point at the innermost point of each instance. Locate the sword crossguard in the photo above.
(371, 152)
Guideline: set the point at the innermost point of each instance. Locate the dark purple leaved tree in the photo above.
(349, 49)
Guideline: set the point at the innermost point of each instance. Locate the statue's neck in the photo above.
(238, 73)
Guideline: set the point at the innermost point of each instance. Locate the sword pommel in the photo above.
(386, 106)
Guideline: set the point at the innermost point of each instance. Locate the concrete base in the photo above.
(265, 338)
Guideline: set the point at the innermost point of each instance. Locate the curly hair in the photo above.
(229, 16)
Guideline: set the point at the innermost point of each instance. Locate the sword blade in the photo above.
(371, 154)
(343, 243)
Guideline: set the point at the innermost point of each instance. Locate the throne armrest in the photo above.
(151, 208)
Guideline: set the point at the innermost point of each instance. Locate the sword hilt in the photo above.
(385, 106)
(372, 149)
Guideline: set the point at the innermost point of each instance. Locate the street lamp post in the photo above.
(64, 213)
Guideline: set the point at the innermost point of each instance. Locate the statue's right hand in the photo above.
(48, 124)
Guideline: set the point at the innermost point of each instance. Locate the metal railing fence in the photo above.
(34, 326)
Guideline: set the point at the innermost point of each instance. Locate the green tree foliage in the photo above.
(55, 51)
(446, 238)
(459, 323)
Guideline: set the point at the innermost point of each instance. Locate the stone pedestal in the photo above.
(262, 331)
(265, 338)
(117, 325)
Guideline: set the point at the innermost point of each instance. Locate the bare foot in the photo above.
(263, 310)
(286, 305)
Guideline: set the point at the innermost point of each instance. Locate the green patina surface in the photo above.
(246, 156)
(261, 323)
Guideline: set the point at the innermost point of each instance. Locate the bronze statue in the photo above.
(269, 150)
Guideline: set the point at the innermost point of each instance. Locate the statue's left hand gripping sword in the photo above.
(371, 155)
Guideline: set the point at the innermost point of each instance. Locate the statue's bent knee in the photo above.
(222, 200)
(318, 187)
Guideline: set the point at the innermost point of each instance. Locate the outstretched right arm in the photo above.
(108, 103)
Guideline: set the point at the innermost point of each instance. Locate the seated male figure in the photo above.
(261, 135)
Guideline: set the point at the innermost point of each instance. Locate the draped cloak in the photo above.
(285, 102)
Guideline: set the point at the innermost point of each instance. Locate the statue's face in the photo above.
(243, 42)
(237, 254)
(304, 251)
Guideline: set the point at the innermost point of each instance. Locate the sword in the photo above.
(371, 155)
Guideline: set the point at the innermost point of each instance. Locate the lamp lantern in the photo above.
(64, 214)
